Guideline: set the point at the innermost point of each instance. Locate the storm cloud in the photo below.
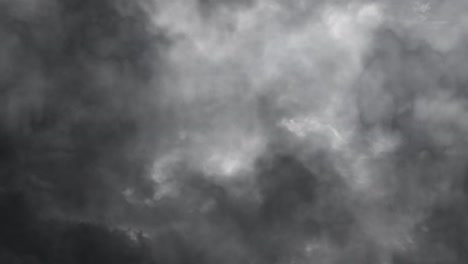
(234, 131)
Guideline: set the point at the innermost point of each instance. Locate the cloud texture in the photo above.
(242, 131)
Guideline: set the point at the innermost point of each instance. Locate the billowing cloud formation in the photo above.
(370, 85)
(244, 131)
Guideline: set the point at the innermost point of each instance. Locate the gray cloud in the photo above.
(243, 131)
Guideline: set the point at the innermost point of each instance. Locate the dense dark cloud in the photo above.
(77, 85)
(76, 89)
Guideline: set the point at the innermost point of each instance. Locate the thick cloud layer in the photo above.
(240, 131)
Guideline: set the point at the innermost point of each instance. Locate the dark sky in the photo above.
(234, 131)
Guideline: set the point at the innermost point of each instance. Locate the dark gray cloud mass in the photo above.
(234, 131)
